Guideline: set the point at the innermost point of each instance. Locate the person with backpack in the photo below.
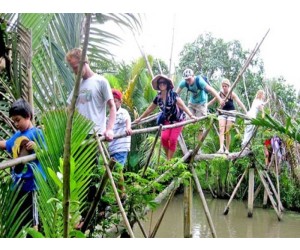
(273, 145)
(199, 87)
(226, 121)
(172, 109)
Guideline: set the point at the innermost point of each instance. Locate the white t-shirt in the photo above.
(121, 144)
(255, 108)
(94, 93)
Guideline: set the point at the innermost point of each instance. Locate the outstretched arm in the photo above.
(238, 101)
(216, 96)
(148, 111)
(182, 106)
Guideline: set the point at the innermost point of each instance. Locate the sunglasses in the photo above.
(162, 82)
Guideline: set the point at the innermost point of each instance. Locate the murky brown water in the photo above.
(236, 224)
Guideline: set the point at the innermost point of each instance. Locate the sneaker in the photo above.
(226, 151)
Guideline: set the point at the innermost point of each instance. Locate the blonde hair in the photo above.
(226, 81)
(76, 53)
(259, 94)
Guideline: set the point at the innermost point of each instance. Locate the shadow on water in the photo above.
(236, 224)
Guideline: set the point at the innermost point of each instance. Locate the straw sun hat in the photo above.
(159, 77)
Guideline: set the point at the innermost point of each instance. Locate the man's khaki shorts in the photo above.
(198, 110)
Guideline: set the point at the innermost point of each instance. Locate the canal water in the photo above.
(236, 224)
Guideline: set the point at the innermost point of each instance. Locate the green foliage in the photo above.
(50, 192)
(289, 191)
(10, 223)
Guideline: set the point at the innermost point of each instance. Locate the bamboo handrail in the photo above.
(25, 159)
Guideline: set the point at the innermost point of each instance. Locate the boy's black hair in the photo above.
(22, 108)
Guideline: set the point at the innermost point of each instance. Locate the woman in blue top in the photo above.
(173, 107)
(20, 144)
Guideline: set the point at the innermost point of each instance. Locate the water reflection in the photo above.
(236, 224)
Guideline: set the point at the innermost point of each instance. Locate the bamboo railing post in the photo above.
(127, 224)
(251, 191)
(152, 235)
(202, 197)
(187, 209)
(265, 199)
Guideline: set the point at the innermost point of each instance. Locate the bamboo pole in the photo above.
(67, 144)
(114, 231)
(127, 224)
(279, 215)
(16, 161)
(275, 192)
(187, 209)
(145, 120)
(277, 181)
(152, 235)
(250, 191)
(265, 199)
(151, 151)
(202, 197)
(139, 223)
(172, 45)
(29, 76)
(145, 57)
(97, 197)
(246, 65)
(195, 151)
(257, 191)
(234, 192)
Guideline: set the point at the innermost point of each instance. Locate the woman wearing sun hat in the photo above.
(174, 109)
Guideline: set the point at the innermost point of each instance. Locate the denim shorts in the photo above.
(120, 157)
(226, 117)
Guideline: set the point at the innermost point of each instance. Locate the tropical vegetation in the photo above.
(33, 67)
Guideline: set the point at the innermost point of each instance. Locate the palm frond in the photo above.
(10, 217)
(83, 158)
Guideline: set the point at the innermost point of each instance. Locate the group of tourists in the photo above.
(96, 95)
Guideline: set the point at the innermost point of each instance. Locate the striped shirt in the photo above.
(120, 144)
